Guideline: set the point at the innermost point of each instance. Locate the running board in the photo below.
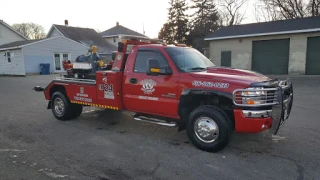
(155, 121)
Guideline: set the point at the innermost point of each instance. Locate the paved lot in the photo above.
(110, 145)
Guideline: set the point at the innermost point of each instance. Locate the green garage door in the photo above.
(271, 56)
(313, 56)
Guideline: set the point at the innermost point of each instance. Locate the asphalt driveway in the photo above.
(103, 144)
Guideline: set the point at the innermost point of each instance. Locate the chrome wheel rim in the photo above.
(206, 129)
(58, 106)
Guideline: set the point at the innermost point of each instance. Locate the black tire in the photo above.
(220, 119)
(76, 110)
(67, 112)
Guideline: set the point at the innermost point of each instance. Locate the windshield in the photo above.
(188, 59)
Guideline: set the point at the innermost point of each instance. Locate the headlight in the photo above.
(254, 96)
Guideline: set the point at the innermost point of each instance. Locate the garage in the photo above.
(313, 56)
(271, 56)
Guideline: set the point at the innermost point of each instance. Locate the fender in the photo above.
(187, 96)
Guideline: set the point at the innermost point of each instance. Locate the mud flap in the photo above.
(49, 105)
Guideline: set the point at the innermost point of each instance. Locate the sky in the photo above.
(96, 14)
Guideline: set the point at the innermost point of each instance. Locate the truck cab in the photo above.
(176, 85)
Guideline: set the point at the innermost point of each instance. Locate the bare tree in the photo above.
(314, 7)
(265, 11)
(30, 30)
(287, 9)
(230, 11)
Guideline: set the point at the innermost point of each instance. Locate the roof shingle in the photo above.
(87, 37)
(118, 29)
(18, 43)
(281, 26)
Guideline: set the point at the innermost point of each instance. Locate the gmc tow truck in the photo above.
(177, 86)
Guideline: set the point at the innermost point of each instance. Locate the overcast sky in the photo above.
(97, 14)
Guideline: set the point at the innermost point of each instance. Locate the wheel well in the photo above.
(194, 101)
(56, 88)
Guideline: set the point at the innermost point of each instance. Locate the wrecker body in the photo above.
(175, 85)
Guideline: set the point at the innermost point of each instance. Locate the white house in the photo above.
(112, 35)
(85, 36)
(8, 34)
(23, 57)
(19, 56)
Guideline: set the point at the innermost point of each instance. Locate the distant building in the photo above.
(112, 35)
(25, 57)
(8, 34)
(278, 47)
(85, 36)
(19, 56)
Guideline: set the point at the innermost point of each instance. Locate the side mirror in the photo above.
(154, 69)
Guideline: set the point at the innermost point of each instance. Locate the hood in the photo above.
(240, 76)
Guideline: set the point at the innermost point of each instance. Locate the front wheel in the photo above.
(209, 128)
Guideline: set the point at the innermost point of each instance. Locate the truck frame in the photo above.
(176, 86)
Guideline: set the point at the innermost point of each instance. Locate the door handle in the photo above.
(133, 80)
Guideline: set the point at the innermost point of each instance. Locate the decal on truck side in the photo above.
(148, 86)
(81, 96)
(119, 57)
(210, 84)
(148, 98)
(108, 91)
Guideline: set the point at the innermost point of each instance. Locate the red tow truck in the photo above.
(177, 86)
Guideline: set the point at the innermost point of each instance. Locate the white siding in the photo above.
(111, 40)
(43, 52)
(16, 67)
(8, 36)
(55, 33)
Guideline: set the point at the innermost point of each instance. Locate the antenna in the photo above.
(143, 28)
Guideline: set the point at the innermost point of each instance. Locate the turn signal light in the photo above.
(250, 102)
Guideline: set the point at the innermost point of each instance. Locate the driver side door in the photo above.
(157, 95)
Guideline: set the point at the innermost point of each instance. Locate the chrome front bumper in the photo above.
(280, 107)
(257, 113)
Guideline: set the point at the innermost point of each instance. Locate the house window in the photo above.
(58, 60)
(65, 56)
(8, 55)
(114, 39)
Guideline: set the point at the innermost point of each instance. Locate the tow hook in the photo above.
(38, 88)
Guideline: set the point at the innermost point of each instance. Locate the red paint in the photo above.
(166, 91)
(250, 125)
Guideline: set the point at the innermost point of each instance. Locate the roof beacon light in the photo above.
(181, 45)
(126, 38)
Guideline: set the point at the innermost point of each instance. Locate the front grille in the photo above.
(269, 99)
(271, 96)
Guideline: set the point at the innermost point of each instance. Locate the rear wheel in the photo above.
(76, 110)
(209, 128)
(62, 108)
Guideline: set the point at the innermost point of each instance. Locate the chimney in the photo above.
(117, 24)
(66, 23)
